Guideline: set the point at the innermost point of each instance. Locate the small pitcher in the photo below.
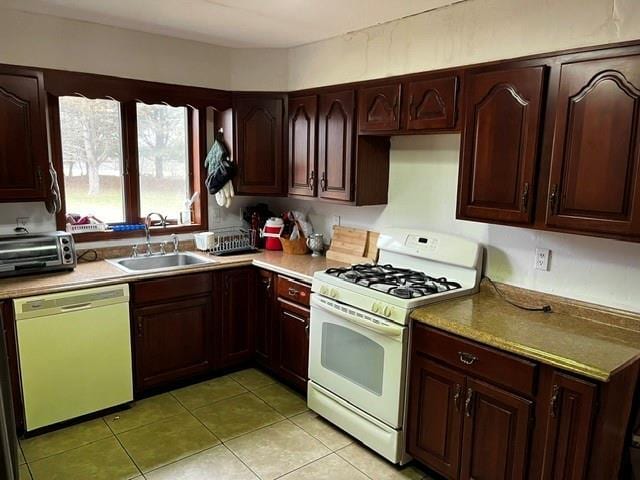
(315, 242)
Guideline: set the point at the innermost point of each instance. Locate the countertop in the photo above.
(99, 273)
(571, 342)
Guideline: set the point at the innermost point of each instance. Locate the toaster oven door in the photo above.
(28, 252)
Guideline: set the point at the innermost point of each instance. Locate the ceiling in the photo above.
(235, 23)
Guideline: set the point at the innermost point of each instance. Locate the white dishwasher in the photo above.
(75, 353)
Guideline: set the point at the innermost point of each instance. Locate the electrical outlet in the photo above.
(336, 220)
(542, 259)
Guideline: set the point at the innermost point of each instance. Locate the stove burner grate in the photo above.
(400, 282)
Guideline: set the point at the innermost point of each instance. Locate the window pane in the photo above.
(163, 159)
(92, 157)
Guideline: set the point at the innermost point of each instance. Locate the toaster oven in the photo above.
(36, 253)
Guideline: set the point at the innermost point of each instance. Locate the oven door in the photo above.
(359, 357)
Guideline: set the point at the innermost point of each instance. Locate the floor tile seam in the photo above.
(129, 455)
(150, 423)
(317, 438)
(351, 463)
(190, 410)
(305, 465)
(224, 442)
(181, 459)
(242, 462)
(70, 449)
(220, 442)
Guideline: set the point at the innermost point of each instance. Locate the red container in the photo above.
(271, 233)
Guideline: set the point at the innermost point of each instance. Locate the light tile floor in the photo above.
(241, 426)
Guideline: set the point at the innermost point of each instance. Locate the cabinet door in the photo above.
(596, 150)
(335, 145)
(236, 319)
(435, 419)
(500, 144)
(259, 144)
(264, 318)
(302, 145)
(496, 433)
(172, 341)
(293, 345)
(23, 138)
(571, 409)
(379, 108)
(430, 104)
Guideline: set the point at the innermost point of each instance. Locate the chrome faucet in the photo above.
(147, 232)
(176, 242)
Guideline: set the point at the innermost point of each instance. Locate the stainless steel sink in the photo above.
(159, 262)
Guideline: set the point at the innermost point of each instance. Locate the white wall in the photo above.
(464, 33)
(422, 194)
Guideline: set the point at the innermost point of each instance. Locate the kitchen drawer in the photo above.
(498, 367)
(294, 291)
(163, 289)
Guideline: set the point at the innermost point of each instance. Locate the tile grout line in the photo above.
(129, 455)
(70, 449)
(305, 465)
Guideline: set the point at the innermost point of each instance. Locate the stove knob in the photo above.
(333, 293)
(387, 311)
(375, 308)
(324, 290)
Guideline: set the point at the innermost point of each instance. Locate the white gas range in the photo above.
(359, 335)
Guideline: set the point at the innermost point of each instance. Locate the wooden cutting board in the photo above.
(353, 245)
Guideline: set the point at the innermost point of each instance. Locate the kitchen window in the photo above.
(92, 158)
(119, 161)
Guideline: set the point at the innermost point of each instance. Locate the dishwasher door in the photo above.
(75, 353)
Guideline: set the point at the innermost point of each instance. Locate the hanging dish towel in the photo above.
(220, 172)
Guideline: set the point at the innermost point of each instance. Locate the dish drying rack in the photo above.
(232, 240)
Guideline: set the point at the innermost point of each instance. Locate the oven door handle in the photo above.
(386, 330)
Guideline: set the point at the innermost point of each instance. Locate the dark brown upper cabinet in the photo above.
(303, 112)
(24, 152)
(352, 168)
(259, 142)
(500, 141)
(379, 108)
(430, 104)
(335, 148)
(593, 185)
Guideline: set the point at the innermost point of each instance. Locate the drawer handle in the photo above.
(293, 292)
(467, 358)
(468, 403)
(456, 396)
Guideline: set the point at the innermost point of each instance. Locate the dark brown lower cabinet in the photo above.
(571, 410)
(464, 426)
(292, 344)
(265, 311)
(173, 341)
(435, 410)
(495, 433)
(235, 291)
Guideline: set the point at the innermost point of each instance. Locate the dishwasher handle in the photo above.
(77, 306)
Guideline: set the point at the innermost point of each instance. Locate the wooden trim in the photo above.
(60, 82)
(130, 158)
